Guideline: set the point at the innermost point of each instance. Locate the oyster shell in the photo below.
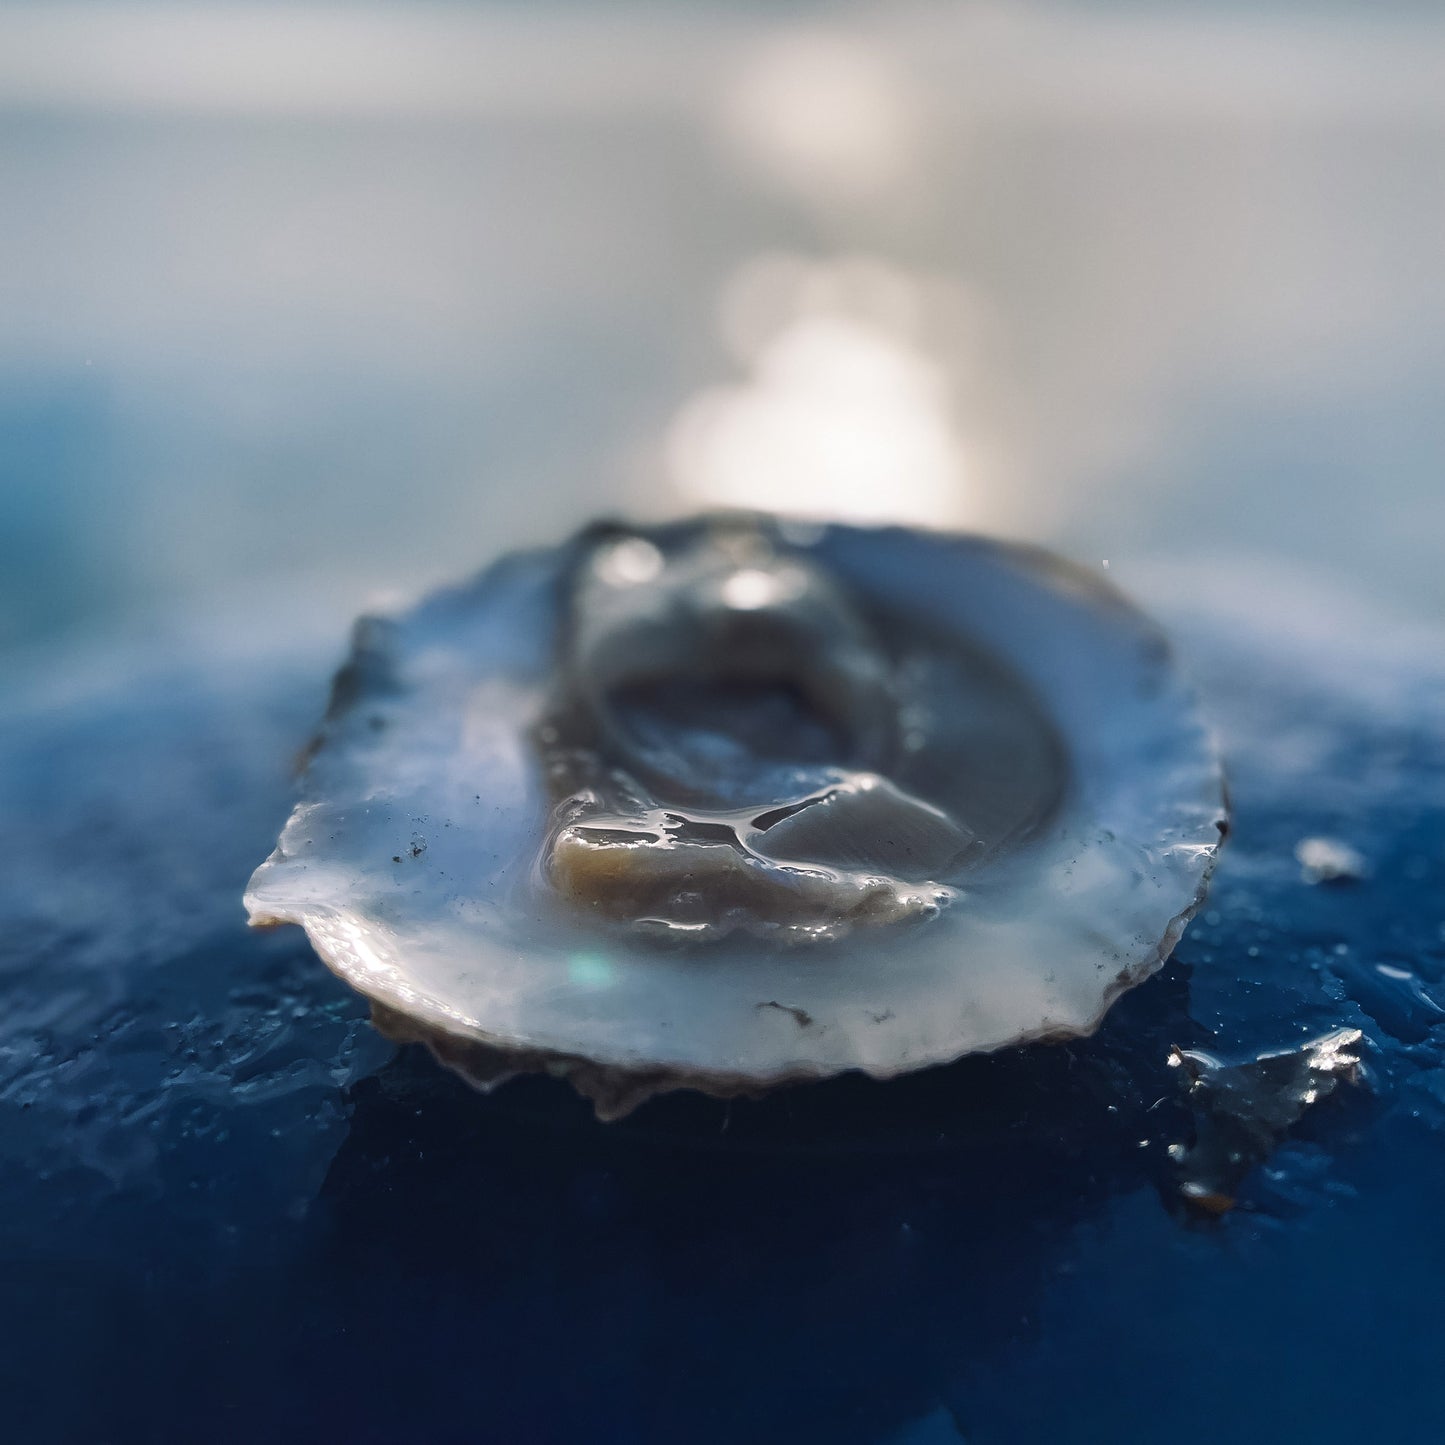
(727, 803)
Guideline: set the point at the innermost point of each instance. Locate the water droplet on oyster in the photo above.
(722, 805)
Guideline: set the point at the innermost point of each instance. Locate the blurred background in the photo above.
(303, 304)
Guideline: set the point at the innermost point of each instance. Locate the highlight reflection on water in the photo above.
(844, 414)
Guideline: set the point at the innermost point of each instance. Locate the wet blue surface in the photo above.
(229, 1211)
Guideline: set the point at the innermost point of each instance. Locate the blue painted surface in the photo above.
(231, 1212)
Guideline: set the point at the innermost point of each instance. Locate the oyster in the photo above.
(729, 803)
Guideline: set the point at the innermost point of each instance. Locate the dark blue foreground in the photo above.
(230, 1212)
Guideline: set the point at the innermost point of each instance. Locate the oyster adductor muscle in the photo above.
(728, 803)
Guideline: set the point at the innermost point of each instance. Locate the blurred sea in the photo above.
(362, 294)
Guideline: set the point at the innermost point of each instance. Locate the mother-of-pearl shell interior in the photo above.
(1079, 783)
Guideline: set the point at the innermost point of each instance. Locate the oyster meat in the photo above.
(733, 802)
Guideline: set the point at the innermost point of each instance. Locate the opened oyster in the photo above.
(730, 803)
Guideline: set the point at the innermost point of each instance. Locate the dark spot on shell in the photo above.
(801, 1016)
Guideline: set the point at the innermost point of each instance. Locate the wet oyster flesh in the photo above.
(737, 744)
